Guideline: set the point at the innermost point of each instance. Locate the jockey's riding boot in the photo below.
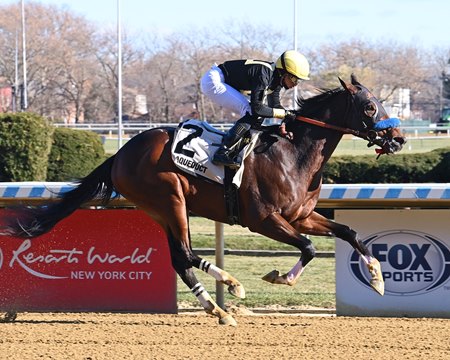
(224, 155)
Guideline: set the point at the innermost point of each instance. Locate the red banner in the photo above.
(94, 260)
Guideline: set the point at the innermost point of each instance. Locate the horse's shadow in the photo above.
(11, 317)
(37, 322)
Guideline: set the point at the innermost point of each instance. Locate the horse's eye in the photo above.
(370, 109)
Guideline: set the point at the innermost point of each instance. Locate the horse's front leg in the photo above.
(277, 228)
(317, 224)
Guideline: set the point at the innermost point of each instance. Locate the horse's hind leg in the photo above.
(317, 224)
(182, 263)
(234, 286)
(176, 226)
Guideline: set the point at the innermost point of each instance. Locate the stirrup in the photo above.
(223, 159)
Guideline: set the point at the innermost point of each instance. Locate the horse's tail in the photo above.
(29, 222)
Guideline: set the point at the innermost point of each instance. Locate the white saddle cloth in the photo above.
(194, 145)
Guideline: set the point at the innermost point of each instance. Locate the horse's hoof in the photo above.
(237, 291)
(227, 320)
(272, 276)
(378, 286)
(377, 281)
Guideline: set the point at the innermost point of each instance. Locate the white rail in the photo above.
(427, 195)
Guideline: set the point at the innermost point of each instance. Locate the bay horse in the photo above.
(277, 196)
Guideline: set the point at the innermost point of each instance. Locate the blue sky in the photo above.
(413, 22)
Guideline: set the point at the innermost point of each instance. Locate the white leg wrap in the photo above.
(212, 270)
(366, 259)
(202, 295)
(295, 272)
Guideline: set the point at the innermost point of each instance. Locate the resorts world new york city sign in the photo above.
(97, 260)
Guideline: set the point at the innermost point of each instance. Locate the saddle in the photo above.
(193, 147)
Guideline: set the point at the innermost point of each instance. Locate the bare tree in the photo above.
(165, 76)
(59, 60)
(107, 81)
(9, 36)
(242, 40)
(75, 62)
(72, 65)
(383, 67)
(198, 53)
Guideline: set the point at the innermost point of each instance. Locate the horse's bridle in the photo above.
(372, 136)
(376, 124)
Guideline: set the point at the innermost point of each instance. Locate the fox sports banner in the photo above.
(413, 247)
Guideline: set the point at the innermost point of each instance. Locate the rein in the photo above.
(344, 130)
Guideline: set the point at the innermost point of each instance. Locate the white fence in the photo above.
(420, 138)
(133, 128)
(372, 196)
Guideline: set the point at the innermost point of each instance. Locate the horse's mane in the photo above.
(310, 105)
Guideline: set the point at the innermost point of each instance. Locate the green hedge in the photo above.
(25, 141)
(31, 149)
(74, 154)
(433, 166)
(441, 172)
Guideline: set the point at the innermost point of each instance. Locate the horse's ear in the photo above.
(354, 80)
(349, 87)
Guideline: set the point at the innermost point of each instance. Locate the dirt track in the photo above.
(198, 336)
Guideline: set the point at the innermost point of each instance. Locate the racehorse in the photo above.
(279, 190)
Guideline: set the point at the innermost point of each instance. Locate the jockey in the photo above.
(222, 84)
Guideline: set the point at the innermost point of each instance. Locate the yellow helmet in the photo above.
(294, 63)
